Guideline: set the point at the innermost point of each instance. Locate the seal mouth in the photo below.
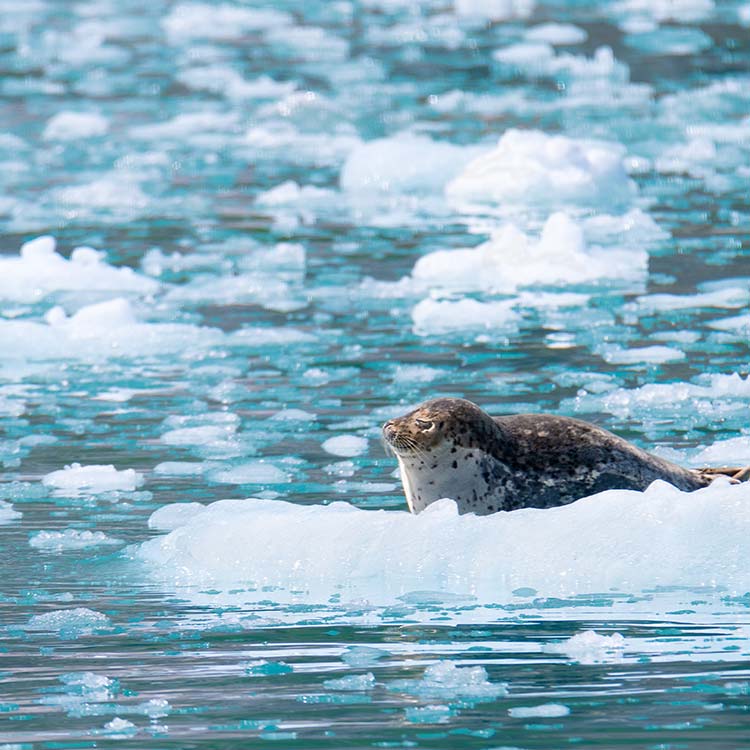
(397, 441)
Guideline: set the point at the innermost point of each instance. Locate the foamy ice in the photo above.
(635, 542)
(39, 271)
(529, 167)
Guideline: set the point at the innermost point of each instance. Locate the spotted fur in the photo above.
(449, 447)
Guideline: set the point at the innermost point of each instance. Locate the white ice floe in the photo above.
(346, 445)
(539, 58)
(590, 647)
(543, 711)
(685, 11)
(655, 354)
(189, 125)
(71, 126)
(101, 331)
(70, 539)
(445, 680)
(435, 316)
(405, 163)
(494, 10)
(712, 398)
(251, 472)
(532, 167)
(311, 43)
(356, 683)
(39, 271)
(69, 623)
(634, 541)
(511, 259)
(7, 513)
(226, 81)
(219, 21)
(728, 298)
(118, 191)
(93, 479)
(730, 452)
(557, 33)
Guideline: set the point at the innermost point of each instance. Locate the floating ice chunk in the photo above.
(531, 167)
(69, 623)
(403, 164)
(290, 192)
(270, 336)
(733, 451)
(263, 668)
(117, 190)
(537, 58)
(696, 158)
(70, 126)
(120, 728)
(494, 10)
(432, 714)
(446, 680)
(224, 80)
(557, 33)
(170, 517)
(70, 539)
(713, 397)
(738, 325)
(187, 125)
(362, 656)
(7, 514)
(666, 10)
(511, 259)
(222, 21)
(346, 445)
(39, 271)
(309, 43)
(253, 472)
(282, 138)
(590, 647)
(726, 298)
(93, 479)
(99, 331)
(634, 541)
(717, 103)
(180, 468)
(642, 355)
(433, 316)
(681, 41)
(357, 683)
(545, 711)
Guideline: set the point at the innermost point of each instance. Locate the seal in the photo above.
(449, 447)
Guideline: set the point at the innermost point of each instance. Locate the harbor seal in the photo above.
(449, 447)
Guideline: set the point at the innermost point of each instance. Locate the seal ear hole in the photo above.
(425, 424)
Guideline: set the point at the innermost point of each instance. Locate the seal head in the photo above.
(449, 447)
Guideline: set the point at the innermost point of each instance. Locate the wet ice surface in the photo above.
(235, 239)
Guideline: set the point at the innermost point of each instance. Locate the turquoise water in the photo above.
(276, 227)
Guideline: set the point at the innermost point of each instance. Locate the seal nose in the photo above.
(388, 428)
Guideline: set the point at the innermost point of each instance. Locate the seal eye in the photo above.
(424, 425)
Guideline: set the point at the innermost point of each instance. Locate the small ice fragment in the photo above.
(494, 10)
(442, 316)
(7, 513)
(253, 472)
(362, 656)
(120, 728)
(557, 33)
(70, 539)
(589, 647)
(263, 668)
(357, 683)
(546, 710)
(95, 478)
(346, 446)
(69, 622)
(432, 714)
(70, 126)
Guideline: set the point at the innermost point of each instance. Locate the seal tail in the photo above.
(736, 473)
